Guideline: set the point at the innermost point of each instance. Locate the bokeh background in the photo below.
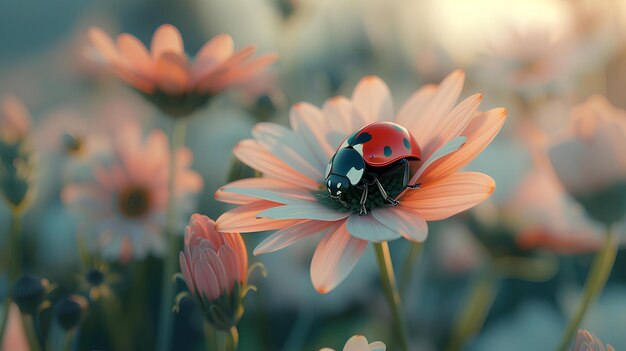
(536, 58)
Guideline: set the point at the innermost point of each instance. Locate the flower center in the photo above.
(134, 201)
(95, 277)
(392, 182)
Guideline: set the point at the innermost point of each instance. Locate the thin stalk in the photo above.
(388, 281)
(596, 280)
(221, 340)
(409, 267)
(15, 265)
(209, 335)
(474, 314)
(169, 268)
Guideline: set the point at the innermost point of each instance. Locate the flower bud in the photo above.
(214, 266)
(69, 311)
(29, 292)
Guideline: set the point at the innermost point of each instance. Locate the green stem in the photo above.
(596, 279)
(477, 307)
(234, 336)
(222, 340)
(169, 268)
(209, 335)
(388, 281)
(409, 267)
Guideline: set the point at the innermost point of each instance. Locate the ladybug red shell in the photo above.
(383, 143)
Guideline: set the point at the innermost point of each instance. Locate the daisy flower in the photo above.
(292, 195)
(168, 77)
(124, 205)
(585, 341)
(360, 343)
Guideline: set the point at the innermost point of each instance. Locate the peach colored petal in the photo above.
(480, 132)
(172, 74)
(304, 210)
(289, 235)
(452, 125)
(260, 183)
(244, 219)
(238, 74)
(251, 153)
(343, 118)
(403, 221)
(368, 228)
(415, 105)
(220, 271)
(184, 267)
(167, 39)
(447, 149)
(131, 78)
(423, 123)
(104, 44)
(357, 343)
(309, 123)
(235, 240)
(273, 196)
(335, 257)
(289, 147)
(215, 51)
(135, 54)
(15, 118)
(229, 261)
(449, 196)
(372, 98)
(206, 280)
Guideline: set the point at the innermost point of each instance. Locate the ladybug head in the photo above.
(337, 185)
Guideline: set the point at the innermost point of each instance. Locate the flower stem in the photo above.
(169, 266)
(388, 281)
(409, 267)
(596, 279)
(15, 264)
(477, 306)
(221, 340)
(209, 335)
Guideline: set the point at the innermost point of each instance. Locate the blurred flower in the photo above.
(165, 74)
(69, 311)
(290, 196)
(123, 207)
(14, 334)
(360, 343)
(585, 341)
(590, 160)
(215, 268)
(97, 281)
(29, 293)
(15, 120)
(16, 158)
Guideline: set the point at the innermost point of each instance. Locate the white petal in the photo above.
(404, 221)
(368, 228)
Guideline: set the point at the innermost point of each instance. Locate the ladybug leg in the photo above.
(407, 176)
(384, 193)
(363, 210)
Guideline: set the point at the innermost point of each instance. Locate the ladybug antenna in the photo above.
(325, 196)
(338, 198)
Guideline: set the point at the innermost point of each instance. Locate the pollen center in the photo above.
(134, 202)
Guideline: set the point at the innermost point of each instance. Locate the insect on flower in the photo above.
(373, 153)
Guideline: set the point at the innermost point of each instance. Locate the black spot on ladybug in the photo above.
(406, 143)
(388, 151)
(362, 138)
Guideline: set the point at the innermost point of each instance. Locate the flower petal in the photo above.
(184, 268)
(356, 343)
(104, 44)
(403, 221)
(244, 219)
(252, 154)
(342, 118)
(218, 49)
(289, 147)
(449, 196)
(280, 186)
(480, 132)
(135, 54)
(452, 146)
(424, 119)
(167, 39)
(172, 74)
(206, 280)
(368, 228)
(289, 235)
(304, 210)
(372, 99)
(309, 123)
(274, 196)
(335, 257)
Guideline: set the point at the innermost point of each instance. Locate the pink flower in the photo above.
(590, 159)
(123, 207)
(14, 120)
(168, 77)
(585, 341)
(291, 195)
(360, 343)
(215, 268)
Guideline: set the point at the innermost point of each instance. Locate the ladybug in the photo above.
(378, 149)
